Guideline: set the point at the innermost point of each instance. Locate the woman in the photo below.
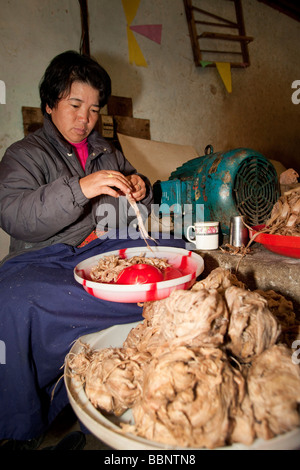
(53, 182)
(54, 185)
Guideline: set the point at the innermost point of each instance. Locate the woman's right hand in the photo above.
(109, 182)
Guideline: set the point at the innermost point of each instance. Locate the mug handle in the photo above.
(192, 240)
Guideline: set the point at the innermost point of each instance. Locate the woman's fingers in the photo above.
(139, 187)
(105, 182)
(117, 181)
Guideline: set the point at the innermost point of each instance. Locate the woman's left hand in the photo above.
(139, 186)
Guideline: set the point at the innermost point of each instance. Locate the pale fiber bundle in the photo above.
(197, 318)
(204, 368)
(145, 338)
(109, 267)
(112, 376)
(188, 395)
(219, 279)
(273, 384)
(252, 327)
(284, 218)
(285, 215)
(143, 231)
(289, 176)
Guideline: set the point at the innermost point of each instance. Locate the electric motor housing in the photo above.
(236, 182)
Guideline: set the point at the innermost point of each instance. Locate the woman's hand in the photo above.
(138, 185)
(109, 182)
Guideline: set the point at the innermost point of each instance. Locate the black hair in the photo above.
(67, 68)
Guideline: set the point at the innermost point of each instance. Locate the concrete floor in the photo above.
(65, 423)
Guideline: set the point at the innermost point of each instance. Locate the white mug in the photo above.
(206, 235)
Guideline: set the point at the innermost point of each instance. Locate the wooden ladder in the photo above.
(198, 16)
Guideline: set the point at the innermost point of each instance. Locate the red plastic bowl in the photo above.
(171, 273)
(280, 244)
(188, 263)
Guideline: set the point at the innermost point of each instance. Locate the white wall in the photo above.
(186, 105)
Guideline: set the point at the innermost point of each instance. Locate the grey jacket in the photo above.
(41, 202)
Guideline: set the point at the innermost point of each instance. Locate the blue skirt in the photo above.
(43, 310)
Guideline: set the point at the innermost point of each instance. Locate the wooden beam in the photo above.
(193, 31)
(225, 37)
(287, 7)
(85, 39)
(242, 30)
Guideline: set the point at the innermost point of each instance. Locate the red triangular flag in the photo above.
(151, 31)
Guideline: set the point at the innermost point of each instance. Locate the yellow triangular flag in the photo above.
(130, 9)
(224, 70)
(135, 53)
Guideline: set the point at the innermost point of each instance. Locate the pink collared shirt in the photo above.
(81, 150)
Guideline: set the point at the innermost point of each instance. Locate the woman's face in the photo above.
(75, 115)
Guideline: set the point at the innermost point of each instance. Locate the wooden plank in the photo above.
(132, 127)
(210, 23)
(119, 106)
(32, 119)
(220, 18)
(106, 126)
(225, 37)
